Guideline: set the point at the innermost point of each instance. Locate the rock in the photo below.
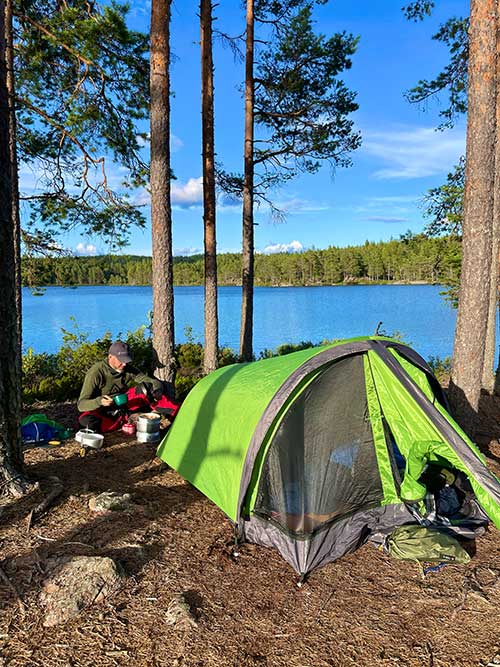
(110, 501)
(179, 613)
(76, 584)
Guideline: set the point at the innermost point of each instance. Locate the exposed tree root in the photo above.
(42, 508)
(15, 484)
(14, 590)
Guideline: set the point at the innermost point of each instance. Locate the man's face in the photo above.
(115, 363)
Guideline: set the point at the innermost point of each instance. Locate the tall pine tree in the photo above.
(300, 107)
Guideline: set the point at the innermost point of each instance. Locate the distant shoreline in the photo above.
(359, 283)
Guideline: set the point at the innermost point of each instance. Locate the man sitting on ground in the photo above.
(108, 378)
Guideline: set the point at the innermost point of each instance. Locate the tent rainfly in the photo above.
(313, 451)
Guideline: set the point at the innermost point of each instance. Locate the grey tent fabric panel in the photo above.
(330, 543)
(265, 533)
(280, 397)
(347, 535)
(460, 447)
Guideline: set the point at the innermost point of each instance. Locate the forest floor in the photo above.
(365, 609)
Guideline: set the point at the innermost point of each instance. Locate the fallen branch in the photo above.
(14, 590)
(42, 508)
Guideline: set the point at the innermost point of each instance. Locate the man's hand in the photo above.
(106, 401)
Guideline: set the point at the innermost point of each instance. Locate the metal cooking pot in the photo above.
(142, 436)
(148, 422)
(92, 440)
(79, 434)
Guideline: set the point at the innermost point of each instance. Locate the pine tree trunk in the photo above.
(489, 375)
(472, 316)
(15, 178)
(12, 479)
(161, 213)
(246, 332)
(488, 381)
(207, 115)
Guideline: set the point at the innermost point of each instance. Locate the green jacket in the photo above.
(102, 380)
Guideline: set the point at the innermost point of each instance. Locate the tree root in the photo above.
(14, 590)
(42, 508)
(16, 485)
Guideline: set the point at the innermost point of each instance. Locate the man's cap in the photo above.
(121, 351)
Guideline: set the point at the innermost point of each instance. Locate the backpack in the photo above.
(426, 544)
(38, 428)
(38, 432)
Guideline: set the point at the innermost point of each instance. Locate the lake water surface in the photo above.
(281, 314)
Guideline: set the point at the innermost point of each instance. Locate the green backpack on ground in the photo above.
(425, 544)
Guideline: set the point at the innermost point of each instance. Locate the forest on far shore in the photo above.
(411, 258)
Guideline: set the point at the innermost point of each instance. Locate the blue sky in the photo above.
(401, 156)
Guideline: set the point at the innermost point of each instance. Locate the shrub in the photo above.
(184, 384)
(59, 376)
(226, 356)
(35, 368)
(441, 368)
(287, 348)
(189, 357)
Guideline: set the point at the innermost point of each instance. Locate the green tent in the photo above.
(313, 451)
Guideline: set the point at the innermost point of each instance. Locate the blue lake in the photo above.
(281, 314)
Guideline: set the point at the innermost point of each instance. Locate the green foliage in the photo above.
(139, 342)
(302, 107)
(415, 257)
(184, 384)
(453, 78)
(77, 355)
(301, 104)
(226, 357)
(57, 377)
(82, 85)
(190, 356)
(189, 360)
(35, 369)
(417, 11)
(444, 205)
(441, 368)
(396, 334)
(286, 348)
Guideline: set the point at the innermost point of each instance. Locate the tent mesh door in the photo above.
(321, 464)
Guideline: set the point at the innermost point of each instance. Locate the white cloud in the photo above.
(384, 218)
(293, 246)
(86, 249)
(142, 197)
(182, 195)
(187, 252)
(394, 199)
(414, 152)
(187, 194)
(140, 9)
(388, 208)
(190, 194)
(298, 205)
(175, 143)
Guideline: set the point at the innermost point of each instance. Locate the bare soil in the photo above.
(366, 609)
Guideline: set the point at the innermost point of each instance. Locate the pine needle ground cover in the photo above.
(365, 609)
